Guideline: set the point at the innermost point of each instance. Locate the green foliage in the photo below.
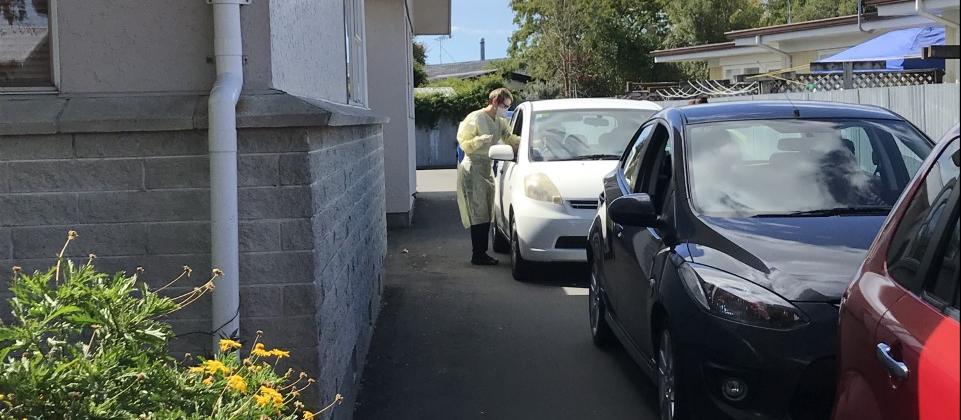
(805, 10)
(469, 95)
(420, 64)
(695, 22)
(87, 345)
(590, 47)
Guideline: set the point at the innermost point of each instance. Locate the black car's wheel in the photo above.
(520, 268)
(600, 332)
(671, 398)
(501, 244)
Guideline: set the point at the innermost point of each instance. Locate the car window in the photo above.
(943, 286)
(631, 164)
(917, 228)
(518, 122)
(563, 135)
(657, 168)
(788, 167)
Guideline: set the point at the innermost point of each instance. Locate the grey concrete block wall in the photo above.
(312, 230)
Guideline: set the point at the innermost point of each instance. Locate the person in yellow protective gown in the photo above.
(475, 178)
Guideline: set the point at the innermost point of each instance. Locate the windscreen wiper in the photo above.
(837, 211)
(592, 157)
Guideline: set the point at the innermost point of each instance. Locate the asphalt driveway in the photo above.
(455, 341)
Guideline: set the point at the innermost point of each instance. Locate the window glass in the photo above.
(944, 285)
(657, 168)
(355, 54)
(787, 167)
(583, 134)
(24, 44)
(916, 230)
(518, 123)
(632, 162)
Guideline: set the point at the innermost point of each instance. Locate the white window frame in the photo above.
(410, 70)
(53, 31)
(356, 52)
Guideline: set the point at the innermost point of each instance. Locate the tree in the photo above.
(589, 47)
(420, 64)
(805, 10)
(696, 22)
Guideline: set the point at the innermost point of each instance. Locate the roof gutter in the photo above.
(759, 42)
(920, 10)
(222, 145)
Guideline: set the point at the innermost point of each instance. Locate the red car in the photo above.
(899, 356)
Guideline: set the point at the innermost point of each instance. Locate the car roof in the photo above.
(762, 110)
(592, 103)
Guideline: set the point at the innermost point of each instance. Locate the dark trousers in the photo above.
(480, 237)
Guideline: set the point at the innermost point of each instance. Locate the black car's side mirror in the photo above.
(633, 210)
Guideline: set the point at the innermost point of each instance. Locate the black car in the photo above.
(723, 243)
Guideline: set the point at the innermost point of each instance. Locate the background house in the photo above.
(785, 47)
(514, 80)
(103, 124)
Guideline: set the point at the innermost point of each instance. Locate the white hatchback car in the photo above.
(546, 196)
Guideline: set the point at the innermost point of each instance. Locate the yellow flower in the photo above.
(269, 396)
(209, 380)
(260, 351)
(210, 366)
(237, 383)
(308, 415)
(280, 354)
(227, 344)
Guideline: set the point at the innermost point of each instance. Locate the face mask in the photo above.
(502, 112)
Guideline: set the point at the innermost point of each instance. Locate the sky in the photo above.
(472, 20)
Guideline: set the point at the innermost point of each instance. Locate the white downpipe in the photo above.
(922, 11)
(788, 62)
(222, 143)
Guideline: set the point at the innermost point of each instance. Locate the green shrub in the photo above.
(87, 345)
(469, 95)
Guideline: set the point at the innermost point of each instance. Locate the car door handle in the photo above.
(895, 367)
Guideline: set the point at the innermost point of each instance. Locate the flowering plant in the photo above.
(86, 345)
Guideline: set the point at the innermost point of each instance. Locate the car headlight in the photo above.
(736, 299)
(539, 187)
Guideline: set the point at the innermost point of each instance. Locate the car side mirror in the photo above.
(501, 152)
(633, 210)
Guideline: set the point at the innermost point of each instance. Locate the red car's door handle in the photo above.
(895, 367)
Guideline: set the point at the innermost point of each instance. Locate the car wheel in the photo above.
(502, 245)
(671, 399)
(600, 331)
(520, 268)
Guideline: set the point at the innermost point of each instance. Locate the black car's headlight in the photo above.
(731, 297)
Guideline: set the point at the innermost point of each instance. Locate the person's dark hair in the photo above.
(700, 99)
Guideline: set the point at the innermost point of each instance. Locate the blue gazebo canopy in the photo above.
(899, 50)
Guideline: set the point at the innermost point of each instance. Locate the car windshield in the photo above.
(583, 134)
(801, 167)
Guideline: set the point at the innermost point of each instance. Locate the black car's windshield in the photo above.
(801, 167)
(600, 134)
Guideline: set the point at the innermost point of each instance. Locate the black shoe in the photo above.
(483, 259)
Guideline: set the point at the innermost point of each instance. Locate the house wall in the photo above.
(132, 47)
(390, 93)
(108, 46)
(134, 182)
(951, 37)
(307, 48)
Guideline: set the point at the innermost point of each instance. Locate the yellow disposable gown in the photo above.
(475, 180)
